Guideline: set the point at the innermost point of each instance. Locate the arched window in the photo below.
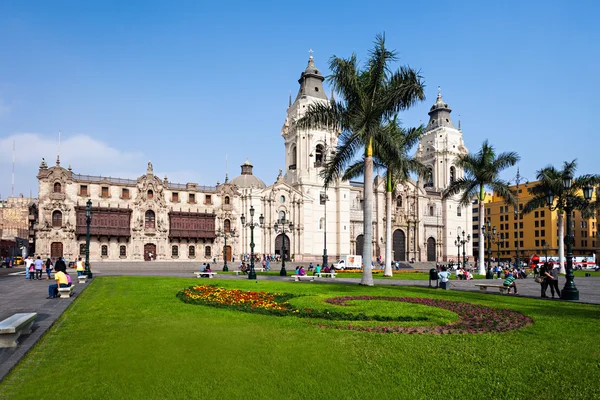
(227, 225)
(281, 215)
(399, 201)
(429, 177)
(207, 252)
(227, 200)
(192, 251)
(57, 187)
(319, 152)
(104, 250)
(122, 251)
(150, 219)
(56, 219)
(459, 211)
(175, 251)
(431, 211)
(452, 174)
(150, 194)
(293, 157)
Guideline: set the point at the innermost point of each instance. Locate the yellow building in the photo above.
(536, 232)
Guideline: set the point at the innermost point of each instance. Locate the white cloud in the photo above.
(85, 154)
(81, 151)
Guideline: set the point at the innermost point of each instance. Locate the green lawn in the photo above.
(131, 338)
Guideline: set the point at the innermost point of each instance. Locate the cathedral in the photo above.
(151, 218)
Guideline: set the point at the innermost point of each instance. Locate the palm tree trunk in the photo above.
(561, 242)
(367, 275)
(388, 234)
(481, 239)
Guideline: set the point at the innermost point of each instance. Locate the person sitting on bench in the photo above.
(317, 270)
(61, 281)
(509, 282)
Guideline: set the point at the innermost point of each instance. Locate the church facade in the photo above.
(153, 218)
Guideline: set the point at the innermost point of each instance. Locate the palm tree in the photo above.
(550, 181)
(482, 170)
(371, 97)
(397, 169)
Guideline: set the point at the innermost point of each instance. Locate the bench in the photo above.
(66, 292)
(82, 278)
(298, 278)
(13, 327)
(503, 289)
(205, 274)
(327, 274)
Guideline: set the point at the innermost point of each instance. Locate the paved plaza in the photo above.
(20, 295)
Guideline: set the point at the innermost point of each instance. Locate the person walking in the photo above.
(28, 263)
(39, 266)
(546, 278)
(554, 282)
(48, 268)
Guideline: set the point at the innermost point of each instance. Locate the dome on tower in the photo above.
(311, 82)
(439, 114)
(246, 180)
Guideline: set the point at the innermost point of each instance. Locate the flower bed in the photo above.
(472, 318)
(271, 304)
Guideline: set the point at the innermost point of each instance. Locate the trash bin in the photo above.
(433, 276)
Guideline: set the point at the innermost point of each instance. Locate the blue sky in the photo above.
(186, 83)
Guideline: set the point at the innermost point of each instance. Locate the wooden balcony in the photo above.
(190, 234)
(112, 231)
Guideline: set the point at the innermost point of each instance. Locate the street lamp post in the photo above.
(251, 224)
(464, 245)
(570, 291)
(597, 237)
(498, 260)
(224, 234)
(491, 237)
(88, 221)
(457, 244)
(325, 260)
(280, 227)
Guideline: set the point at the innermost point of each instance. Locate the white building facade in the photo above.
(152, 218)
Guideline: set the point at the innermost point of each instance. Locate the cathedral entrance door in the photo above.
(227, 253)
(279, 246)
(56, 249)
(149, 252)
(431, 249)
(360, 244)
(399, 245)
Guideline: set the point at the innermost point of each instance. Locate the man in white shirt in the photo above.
(28, 262)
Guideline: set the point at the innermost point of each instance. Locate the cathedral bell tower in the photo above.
(441, 143)
(306, 150)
